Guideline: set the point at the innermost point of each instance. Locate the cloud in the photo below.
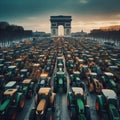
(83, 1)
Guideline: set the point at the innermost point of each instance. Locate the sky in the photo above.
(35, 14)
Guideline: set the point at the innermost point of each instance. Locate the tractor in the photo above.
(75, 80)
(12, 102)
(24, 74)
(107, 105)
(60, 82)
(95, 86)
(44, 105)
(19, 63)
(44, 81)
(11, 73)
(70, 66)
(77, 104)
(60, 67)
(108, 81)
(28, 87)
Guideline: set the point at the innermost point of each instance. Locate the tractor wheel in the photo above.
(73, 114)
(49, 115)
(12, 114)
(32, 115)
(22, 103)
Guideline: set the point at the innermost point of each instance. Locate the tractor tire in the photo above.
(12, 114)
(73, 114)
(49, 114)
(32, 115)
(21, 103)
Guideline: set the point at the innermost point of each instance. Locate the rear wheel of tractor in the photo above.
(32, 115)
(14, 115)
(22, 103)
(73, 114)
(49, 114)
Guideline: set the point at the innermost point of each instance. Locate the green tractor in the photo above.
(11, 73)
(60, 82)
(108, 81)
(12, 102)
(107, 105)
(77, 104)
(44, 105)
(28, 87)
(75, 80)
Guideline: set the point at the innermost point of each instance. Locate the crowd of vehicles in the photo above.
(44, 69)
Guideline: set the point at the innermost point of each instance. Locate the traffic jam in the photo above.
(59, 79)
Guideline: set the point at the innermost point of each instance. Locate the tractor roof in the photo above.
(41, 106)
(60, 73)
(27, 81)
(110, 94)
(36, 65)
(10, 84)
(76, 72)
(10, 92)
(12, 67)
(108, 73)
(113, 67)
(44, 75)
(93, 73)
(1, 65)
(44, 91)
(23, 70)
(77, 90)
(18, 59)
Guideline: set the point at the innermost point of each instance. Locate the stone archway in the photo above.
(60, 20)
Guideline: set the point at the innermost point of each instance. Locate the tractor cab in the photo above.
(108, 81)
(75, 79)
(12, 71)
(24, 73)
(44, 107)
(60, 82)
(78, 92)
(107, 104)
(10, 85)
(60, 67)
(19, 63)
(28, 87)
